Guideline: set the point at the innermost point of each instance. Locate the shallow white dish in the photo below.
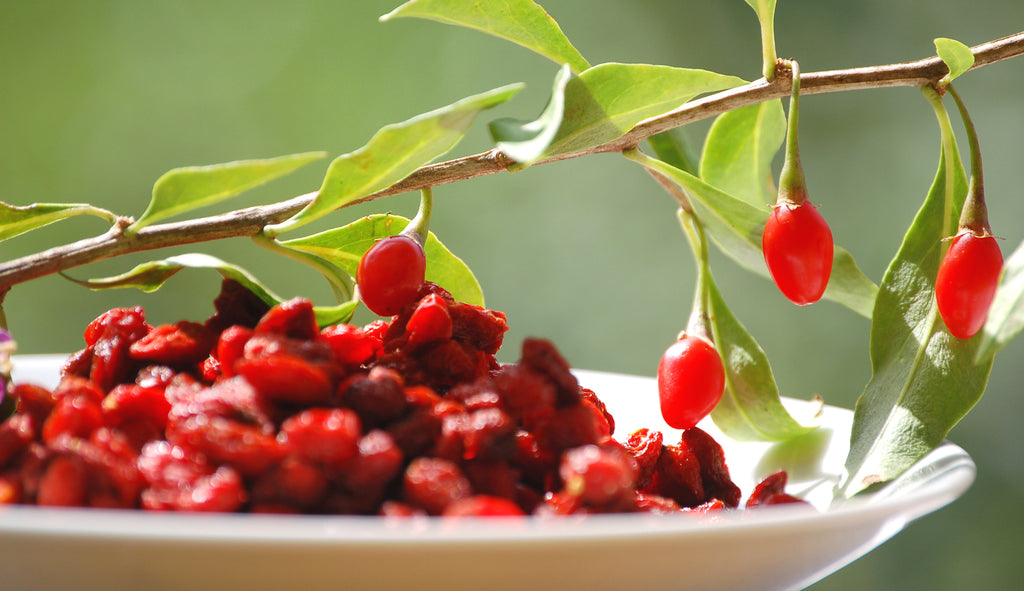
(780, 547)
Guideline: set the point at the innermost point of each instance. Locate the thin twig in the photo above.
(250, 221)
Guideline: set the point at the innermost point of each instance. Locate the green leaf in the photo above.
(1006, 316)
(924, 380)
(736, 227)
(151, 276)
(18, 219)
(765, 10)
(957, 56)
(518, 21)
(525, 142)
(184, 189)
(676, 148)
(739, 150)
(750, 408)
(346, 245)
(606, 101)
(394, 153)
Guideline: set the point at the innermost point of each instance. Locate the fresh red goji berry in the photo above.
(391, 274)
(691, 381)
(798, 249)
(967, 282)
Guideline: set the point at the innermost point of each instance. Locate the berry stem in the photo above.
(792, 185)
(699, 323)
(419, 226)
(974, 216)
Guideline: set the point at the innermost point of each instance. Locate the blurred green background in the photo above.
(99, 98)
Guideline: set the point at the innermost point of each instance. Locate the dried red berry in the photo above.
(797, 244)
(967, 281)
(391, 274)
(691, 380)
(482, 506)
(430, 321)
(434, 484)
(600, 476)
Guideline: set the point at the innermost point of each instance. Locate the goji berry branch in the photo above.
(250, 221)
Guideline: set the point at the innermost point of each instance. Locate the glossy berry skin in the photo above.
(966, 283)
(391, 274)
(691, 380)
(797, 244)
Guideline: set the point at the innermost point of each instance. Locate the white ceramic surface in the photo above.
(781, 547)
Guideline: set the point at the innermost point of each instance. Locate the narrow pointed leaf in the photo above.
(346, 245)
(739, 150)
(924, 379)
(518, 21)
(527, 141)
(606, 101)
(18, 219)
(394, 153)
(750, 409)
(151, 276)
(736, 227)
(184, 189)
(957, 56)
(676, 148)
(1006, 317)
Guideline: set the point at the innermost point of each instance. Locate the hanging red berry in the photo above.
(797, 244)
(967, 281)
(797, 241)
(391, 274)
(691, 380)
(969, 273)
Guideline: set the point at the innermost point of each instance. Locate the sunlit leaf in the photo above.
(957, 56)
(345, 246)
(519, 21)
(18, 219)
(526, 141)
(606, 101)
(735, 226)
(184, 189)
(394, 153)
(739, 150)
(750, 408)
(676, 148)
(151, 276)
(924, 380)
(1006, 317)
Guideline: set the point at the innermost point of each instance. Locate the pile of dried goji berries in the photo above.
(259, 410)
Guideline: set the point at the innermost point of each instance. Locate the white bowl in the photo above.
(778, 547)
